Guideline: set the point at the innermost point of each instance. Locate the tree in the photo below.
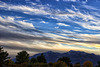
(3, 56)
(40, 65)
(50, 64)
(60, 64)
(88, 64)
(98, 63)
(66, 60)
(33, 60)
(77, 65)
(9, 62)
(22, 57)
(41, 59)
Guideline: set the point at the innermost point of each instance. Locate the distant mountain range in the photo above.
(75, 56)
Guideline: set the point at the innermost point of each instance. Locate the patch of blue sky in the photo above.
(95, 3)
(45, 27)
(55, 4)
(15, 2)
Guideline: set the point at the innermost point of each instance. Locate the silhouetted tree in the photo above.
(98, 63)
(77, 65)
(9, 62)
(88, 64)
(50, 64)
(41, 59)
(60, 64)
(40, 65)
(22, 57)
(3, 56)
(33, 60)
(66, 60)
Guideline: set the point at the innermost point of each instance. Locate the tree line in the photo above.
(22, 60)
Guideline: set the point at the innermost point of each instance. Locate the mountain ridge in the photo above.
(75, 56)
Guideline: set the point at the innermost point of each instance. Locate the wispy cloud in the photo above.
(62, 24)
(24, 9)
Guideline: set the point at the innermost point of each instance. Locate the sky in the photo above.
(50, 25)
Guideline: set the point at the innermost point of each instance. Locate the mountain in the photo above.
(75, 56)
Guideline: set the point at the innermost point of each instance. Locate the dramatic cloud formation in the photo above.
(43, 25)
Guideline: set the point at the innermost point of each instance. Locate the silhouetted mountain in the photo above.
(75, 56)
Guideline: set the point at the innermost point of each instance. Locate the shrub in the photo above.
(60, 64)
(77, 65)
(88, 64)
(66, 60)
(40, 65)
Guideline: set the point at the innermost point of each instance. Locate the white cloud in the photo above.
(57, 0)
(84, 1)
(67, 31)
(9, 19)
(56, 27)
(77, 30)
(25, 9)
(44, 22)
(93, 25)
(62, 24)
(74, 7)
(26, 24)
(61, 17)
(88, 21)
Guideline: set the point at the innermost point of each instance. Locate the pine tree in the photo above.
(33, 60)
(3, 56)
(22, 57)
(98, 63)
(41, 59)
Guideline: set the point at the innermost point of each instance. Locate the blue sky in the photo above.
(43, 25)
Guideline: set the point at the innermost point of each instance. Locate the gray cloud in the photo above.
(24, 48)
(80, 41)
(8, 35)
(19, 27)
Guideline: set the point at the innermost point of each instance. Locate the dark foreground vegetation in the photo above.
(22, 60)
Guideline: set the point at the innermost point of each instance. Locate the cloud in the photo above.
(57, 0)
(24, 9)
(11, 35)
(77, 39)
(11, 21)
(6, 19)
(26, 24)
(77, 30)
(62, 24)
(86, 20)
(13, 47)
(44, 22)
(67, 31)
(89, 26)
